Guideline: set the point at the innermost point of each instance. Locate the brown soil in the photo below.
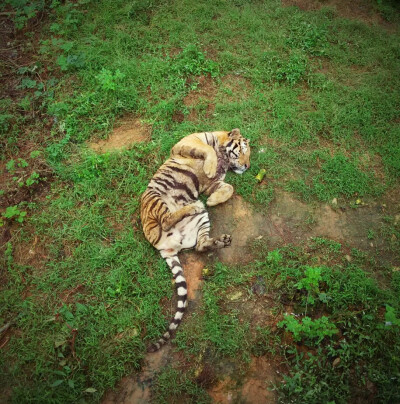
(357, 9)
(253, 388)
(136, 389)
(127, 132)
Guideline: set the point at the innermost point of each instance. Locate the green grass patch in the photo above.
(317, 94)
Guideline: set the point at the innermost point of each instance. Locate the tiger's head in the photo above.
(238, 152)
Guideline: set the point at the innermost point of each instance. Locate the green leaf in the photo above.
(57, 383)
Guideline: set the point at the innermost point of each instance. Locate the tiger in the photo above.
(172, 216)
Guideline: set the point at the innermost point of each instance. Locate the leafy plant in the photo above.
(108, 80)
(310, 283)
(13, 212)
(308, 329)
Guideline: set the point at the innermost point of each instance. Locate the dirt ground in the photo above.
(287, 220)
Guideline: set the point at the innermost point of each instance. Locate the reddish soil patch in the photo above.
(128, 132)
(136, 389)
(289, 220)
(32, 253)
(357, 9)
(193, 265)
(254, 386)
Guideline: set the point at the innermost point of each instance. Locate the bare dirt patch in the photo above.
(127, 132)
(136, 389)
(253, 389)
(357, 9)
(288, 220)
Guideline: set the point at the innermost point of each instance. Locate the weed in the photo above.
(309, 329)
(173, 385)
(13, 212)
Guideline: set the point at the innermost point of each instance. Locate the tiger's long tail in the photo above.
(181, 288)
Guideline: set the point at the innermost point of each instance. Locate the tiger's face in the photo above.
(238, 151)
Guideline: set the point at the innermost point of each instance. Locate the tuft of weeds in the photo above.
(173, 385)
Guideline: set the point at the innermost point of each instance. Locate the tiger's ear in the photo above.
(234, 134)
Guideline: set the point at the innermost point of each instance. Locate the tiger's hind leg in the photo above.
(169, 220)
(205, 242)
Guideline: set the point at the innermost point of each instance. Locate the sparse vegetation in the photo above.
(82, 292)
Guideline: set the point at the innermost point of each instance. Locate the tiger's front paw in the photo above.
(196, 207)
(210, 166)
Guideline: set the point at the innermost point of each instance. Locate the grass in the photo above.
(316, 93)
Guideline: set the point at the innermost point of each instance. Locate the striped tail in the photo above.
(181, 288)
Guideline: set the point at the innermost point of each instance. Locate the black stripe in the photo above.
(180, 272)
(180, 198)
(185, 188)
(176, 321)
(168, 175)
(154, 204)
(151, 227)
(229, 143)
(213, 140)
(169, 234)
(213, 188)
(180, 309)
(160, 184)
(181, 285)
(163, 181)
(182, 298)
(175, 264)
(189, 174)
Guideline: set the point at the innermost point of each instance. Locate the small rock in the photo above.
(396, 220)
(371, 244)
(258, 238)
(236, 295)
(258, 289)
(336, 362)
(348, 258)
(206, 272)
(334, 201)
(259, 286)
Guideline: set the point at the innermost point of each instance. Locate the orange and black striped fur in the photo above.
(172, 216)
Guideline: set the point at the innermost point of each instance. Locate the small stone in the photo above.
(258, 289)
(334, 201)
(396, 220)
(236, 295)
(371, 244)
(348, 258)
(336, 362)
(258, 238)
